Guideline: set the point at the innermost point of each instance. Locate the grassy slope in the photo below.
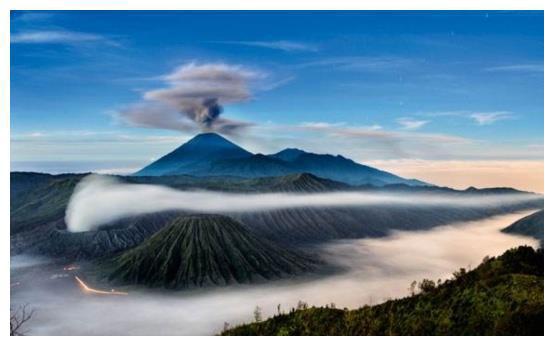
(503, 296)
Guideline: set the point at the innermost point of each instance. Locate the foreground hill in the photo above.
(531, 225)
(205, 250)
(210, 154)
(502, 296)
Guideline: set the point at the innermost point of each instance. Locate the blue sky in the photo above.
(375, 86)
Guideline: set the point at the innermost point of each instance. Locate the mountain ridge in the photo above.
(210, 154)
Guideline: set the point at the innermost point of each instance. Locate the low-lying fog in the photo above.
(98, 200)
(378, 269)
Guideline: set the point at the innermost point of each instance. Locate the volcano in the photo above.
(210, 154)
(204, 250)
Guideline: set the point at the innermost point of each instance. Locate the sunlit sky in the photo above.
(454, 98)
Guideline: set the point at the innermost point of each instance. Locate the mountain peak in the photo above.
(289, 154)
(198, 151)
(209, 139)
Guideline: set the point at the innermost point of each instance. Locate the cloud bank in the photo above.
(98, 200)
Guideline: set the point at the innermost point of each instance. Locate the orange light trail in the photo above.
(83, 286)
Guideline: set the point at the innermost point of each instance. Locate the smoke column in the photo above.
(194, 96)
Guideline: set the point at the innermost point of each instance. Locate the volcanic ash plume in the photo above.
(194, 94)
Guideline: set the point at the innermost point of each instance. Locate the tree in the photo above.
(301, 305)
(18, 318)
(257, 314)
(458, 274)
(426, 285)
(412, 288)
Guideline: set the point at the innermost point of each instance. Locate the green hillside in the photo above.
(502, 296)
(205, 250)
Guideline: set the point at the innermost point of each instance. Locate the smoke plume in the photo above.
(99, 200)
(193, 97)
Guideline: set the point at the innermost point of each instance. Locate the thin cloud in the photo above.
(360, 63)
(517, 68)
(27, 17)
(88, 137)
(442, 113)
(479, 118)
(59, 37)
(411, 124)
(283, 45)
(376, 132)
(490, 117)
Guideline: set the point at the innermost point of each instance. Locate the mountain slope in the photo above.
(531, 225)
(502, 296)
(209, 154)
(39, 199)
(195, 155)
(339, 168)
(205, 250)
(54, 240)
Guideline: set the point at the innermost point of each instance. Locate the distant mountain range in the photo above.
(210, 154)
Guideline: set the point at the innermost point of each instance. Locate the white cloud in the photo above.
(517, 68)
(411, 124)
(283, 45)
(58, 37)
(360, 63)
(488, 118)
(34, 16)
(480, 118)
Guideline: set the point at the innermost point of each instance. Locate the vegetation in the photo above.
(37, 199)
(502, 296)
(18, 318)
